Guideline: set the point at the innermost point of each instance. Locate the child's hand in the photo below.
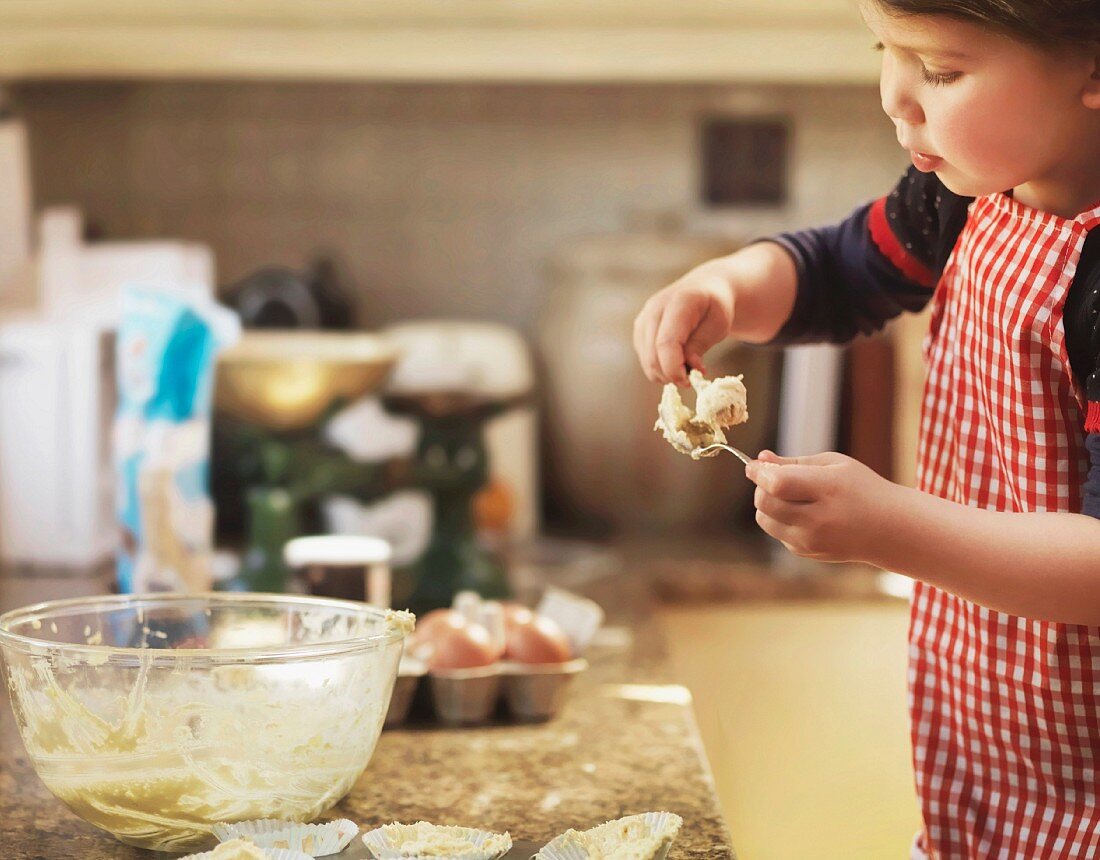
(680, 323)
(826, 506)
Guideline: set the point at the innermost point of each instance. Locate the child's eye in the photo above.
(938, 79)
(935, 79)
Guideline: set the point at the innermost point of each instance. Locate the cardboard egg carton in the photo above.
(527, 692)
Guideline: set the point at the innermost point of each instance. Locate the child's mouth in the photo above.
(924, 162)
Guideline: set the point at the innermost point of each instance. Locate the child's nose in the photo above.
(898, 99)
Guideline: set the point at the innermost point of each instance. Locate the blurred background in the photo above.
(448, 214)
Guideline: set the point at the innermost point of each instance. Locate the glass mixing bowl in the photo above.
(154, 717)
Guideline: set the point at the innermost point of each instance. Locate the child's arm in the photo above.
(824, 284)
(747, 295)
(1035, 565)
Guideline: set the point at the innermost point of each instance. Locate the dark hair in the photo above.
(1048, 24)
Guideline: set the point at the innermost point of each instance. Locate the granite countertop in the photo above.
(626, 742)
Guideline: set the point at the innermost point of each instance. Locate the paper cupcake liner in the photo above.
(385, 842)
(658, 829)
(569, 845)
(271, 854)
(314, 840)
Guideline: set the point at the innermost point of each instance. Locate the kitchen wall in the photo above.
(436, 200)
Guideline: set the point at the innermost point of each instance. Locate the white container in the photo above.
(84, 281)
(58, 392)
(608, 463)
(57, 397)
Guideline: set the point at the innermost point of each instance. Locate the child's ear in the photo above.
(1090, 95)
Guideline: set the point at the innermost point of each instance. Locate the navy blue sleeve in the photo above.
(885, 258)
(1090, 494)
(1090, 501)
(1081, 319)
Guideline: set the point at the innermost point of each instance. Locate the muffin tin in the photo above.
(511, 691)
(461, 697)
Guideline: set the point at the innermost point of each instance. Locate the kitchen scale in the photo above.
(451, 463)
(274, 394)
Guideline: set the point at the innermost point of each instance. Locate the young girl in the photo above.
(999, 105)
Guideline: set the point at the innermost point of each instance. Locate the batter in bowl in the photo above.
(159, 760)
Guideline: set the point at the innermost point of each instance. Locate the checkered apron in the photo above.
(1005, 710)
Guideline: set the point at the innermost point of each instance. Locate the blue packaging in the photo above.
(167, 348)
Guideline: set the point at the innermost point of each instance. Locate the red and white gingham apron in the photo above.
(1005, 710)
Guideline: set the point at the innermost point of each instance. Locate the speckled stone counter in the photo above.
(626, 742)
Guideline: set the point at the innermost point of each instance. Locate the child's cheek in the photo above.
(982, 148)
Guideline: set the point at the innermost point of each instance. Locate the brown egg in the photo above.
(421, 642)
(536, 640)
(515, 613)
(458, 643)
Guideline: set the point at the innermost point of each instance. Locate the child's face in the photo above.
(989, 113)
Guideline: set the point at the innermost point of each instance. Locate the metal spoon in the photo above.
(711, 450)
